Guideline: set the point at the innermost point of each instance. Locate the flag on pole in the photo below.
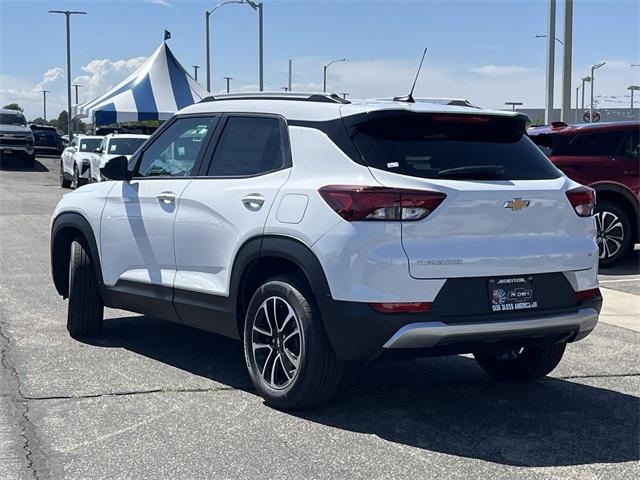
(167, 35)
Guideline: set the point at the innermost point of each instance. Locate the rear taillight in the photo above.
(354, 203)
(583, 200)
(413, 307)
(590, 294)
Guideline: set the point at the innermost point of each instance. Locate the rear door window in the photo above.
(591, 145)
(248, 146)
(437, 146)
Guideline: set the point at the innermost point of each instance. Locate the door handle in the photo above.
(253, 202)
(166, 197)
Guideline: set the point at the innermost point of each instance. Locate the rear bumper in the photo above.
(359, 333)
(431, 334)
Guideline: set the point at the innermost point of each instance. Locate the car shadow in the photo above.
(15, 166)
(628, 266)
(445, 404)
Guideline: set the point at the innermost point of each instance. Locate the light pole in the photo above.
(67, 14)
(551, 56)
(195, 71)
(76, 86)
(586, 79)
(290, 74)
(44, 102)
(565, 106)
(593, 68)
(513, 105)
(632, 88)
(324, 87)
(228, 79)
(256, 7)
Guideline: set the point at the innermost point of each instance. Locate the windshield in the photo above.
(451, 146)
(12, 119)
(124, 146)
(89, 144)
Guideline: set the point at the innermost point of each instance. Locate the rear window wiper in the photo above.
(475, 172)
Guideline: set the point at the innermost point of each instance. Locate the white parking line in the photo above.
(618, 280)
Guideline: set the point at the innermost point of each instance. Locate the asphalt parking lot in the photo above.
(151, 399)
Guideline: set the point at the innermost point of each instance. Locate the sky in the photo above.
(484, 51)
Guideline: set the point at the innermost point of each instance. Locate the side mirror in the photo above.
(98, 150)
(117, 169)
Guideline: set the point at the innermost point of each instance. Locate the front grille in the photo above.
(13, 141)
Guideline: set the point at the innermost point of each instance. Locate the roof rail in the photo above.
(292, 96)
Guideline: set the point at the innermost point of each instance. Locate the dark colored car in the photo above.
(48, 141)
(606, 157)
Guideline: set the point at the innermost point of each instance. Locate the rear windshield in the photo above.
(451, 146)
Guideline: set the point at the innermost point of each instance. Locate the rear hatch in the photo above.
(506, 210)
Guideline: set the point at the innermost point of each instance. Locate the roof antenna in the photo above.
(409, 98)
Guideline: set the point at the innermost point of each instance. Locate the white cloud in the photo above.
(500, 70)
(164, 3)
(99, 75)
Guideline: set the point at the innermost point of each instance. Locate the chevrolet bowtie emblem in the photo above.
(516, 204)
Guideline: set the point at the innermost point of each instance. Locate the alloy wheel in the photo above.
(610, 234)
(276, 343)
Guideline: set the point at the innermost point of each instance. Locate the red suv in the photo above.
(606, 157)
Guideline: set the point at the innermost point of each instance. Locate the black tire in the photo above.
(64, 183)
(318, 372)
(521, 365)
(85, 310)
(614, 233)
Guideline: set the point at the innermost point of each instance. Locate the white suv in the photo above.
(319, 231)
(113, 145)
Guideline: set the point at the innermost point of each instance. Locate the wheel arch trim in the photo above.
(60, 259)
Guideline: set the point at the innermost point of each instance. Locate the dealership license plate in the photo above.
(512, 294)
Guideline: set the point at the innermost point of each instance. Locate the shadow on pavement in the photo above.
(629, 266)
(444, 404)
(14, 166)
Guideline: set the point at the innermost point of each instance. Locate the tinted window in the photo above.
(631, 146)
(12, 119)
(175, 151)
(248, 146)
(124, 146)
(427, 146)
(594, 144)
(89, 144)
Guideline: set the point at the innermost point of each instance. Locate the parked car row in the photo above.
(82, 160)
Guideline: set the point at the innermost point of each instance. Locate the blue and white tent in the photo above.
(158, 89)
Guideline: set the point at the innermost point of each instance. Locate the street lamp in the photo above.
(228, 79)
(324, 88)
(195, 71)
(67, 14)
(76, 86)
(44, 102)
(632, 88)
(586, 79)
(593, 68)
(545, 36)
(256, 7)
(513, 105)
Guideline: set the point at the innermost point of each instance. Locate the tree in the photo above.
(40, 121)
(61, 122)
(14, 106)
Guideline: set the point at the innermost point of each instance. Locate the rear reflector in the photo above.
(416, 307)
(363, 203)
(590, 294)
(583, 200)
